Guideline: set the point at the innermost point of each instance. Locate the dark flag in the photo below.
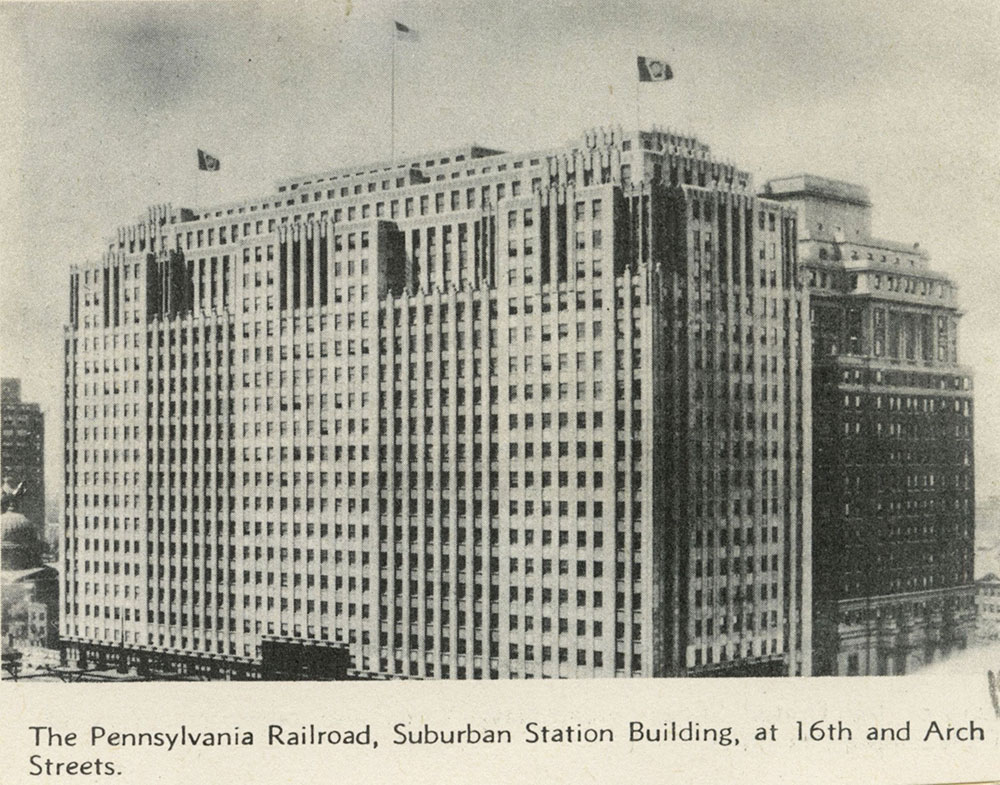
(404, 33)
(207, 163)
(653, 70)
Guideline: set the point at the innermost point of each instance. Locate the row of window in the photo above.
(409, 206)
(704, 208)
(737, 623)
(709, 565)
(721, 654)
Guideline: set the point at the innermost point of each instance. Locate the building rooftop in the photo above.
(814, 185)
(428, 161)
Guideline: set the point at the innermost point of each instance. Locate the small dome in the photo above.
(20, 548)
(16, 528)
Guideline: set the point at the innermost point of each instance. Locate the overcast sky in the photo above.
(104, 105)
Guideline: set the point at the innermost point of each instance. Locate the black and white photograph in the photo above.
(452, 341)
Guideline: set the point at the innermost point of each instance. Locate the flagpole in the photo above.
(392, 98)
(638, 84)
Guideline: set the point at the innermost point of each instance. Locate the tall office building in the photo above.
(893, 496)
(473, 415)
(22, 452)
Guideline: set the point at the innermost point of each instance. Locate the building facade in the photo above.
(29, 588)
(22, 451)
(893, 493)
(475, 415)
(988, 608)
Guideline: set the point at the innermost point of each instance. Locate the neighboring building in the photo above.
(29, 588)
(476, 415)
(22, 450)
(988, 608)
(893, 496)
(987, 535)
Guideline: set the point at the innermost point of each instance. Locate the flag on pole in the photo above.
(207, 163)
(654, 70)
(404, 33)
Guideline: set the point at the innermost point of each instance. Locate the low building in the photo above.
(988, 608)
(30, 589)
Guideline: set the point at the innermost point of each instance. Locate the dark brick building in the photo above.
(893, 500)
(22, 451)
